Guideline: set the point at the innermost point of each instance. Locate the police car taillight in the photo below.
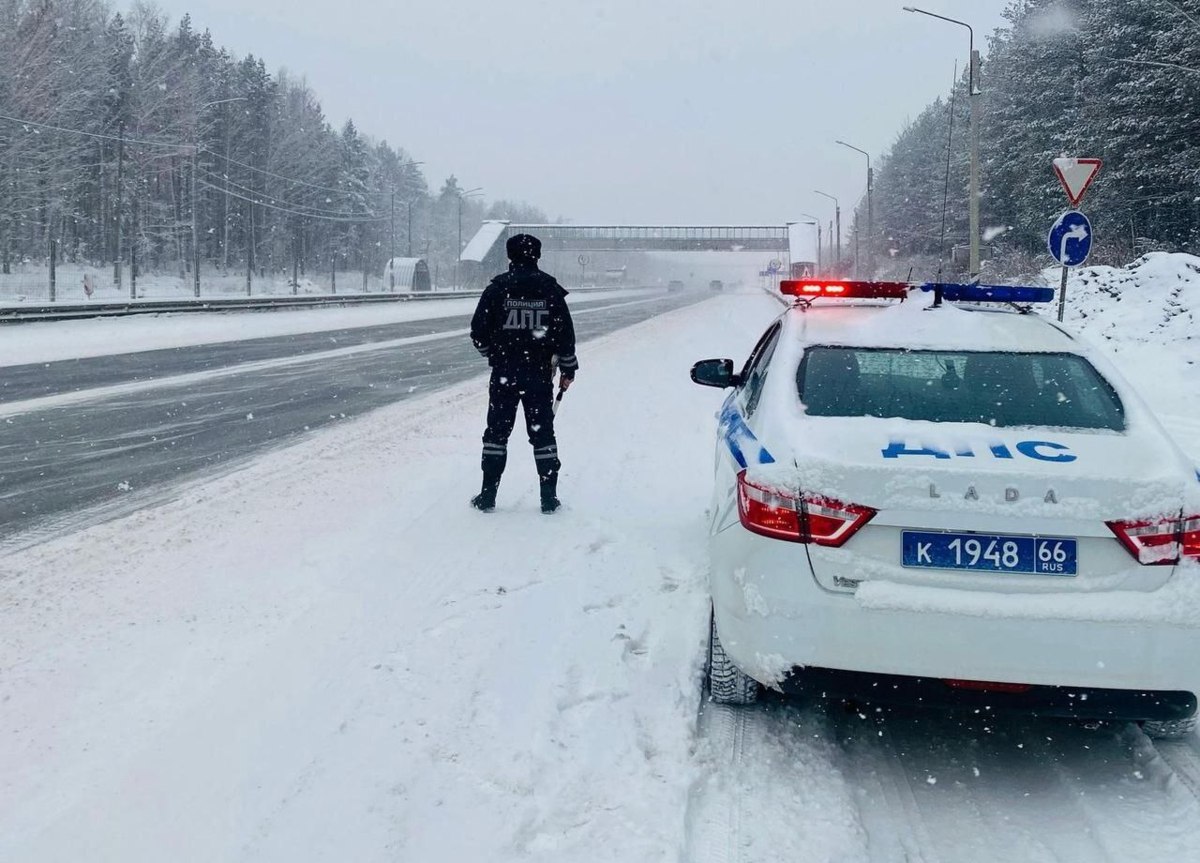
(1159, 542)
(847, 290)
(798, 518)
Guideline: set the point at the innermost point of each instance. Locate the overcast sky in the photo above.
(624, 111)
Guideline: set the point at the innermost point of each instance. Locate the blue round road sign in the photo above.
(1070, 239)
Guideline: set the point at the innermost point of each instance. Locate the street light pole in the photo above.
(392, 252)
(471, 193)
(837, 211)
(973, 92)
(870, 209)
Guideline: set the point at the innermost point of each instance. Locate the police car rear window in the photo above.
(1000, 389)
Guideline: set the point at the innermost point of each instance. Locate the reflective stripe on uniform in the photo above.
(545, 452)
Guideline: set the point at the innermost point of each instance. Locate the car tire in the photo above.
(727, 684)
(1170, 729)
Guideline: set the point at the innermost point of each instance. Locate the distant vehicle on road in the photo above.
(675, 286)
(716, 285)
(615, 276)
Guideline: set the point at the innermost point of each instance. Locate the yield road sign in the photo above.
(1076, 175)
(1070, 239)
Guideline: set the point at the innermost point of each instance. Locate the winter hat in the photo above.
(523, 247)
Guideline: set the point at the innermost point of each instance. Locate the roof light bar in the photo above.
(992, 293)
(860, 290)
(842, 289)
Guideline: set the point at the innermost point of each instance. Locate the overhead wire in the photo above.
(96, 135)
(267, 173)
(293, 209)
(261, 203)
(275, 199)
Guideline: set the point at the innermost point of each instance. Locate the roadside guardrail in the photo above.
(104, 309)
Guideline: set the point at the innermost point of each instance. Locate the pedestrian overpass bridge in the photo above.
(485, 252)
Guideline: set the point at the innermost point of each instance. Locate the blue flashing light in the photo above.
(992, 293)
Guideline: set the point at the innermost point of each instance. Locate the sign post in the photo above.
(1070, 239)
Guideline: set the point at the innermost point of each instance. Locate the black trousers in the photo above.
(533, 388)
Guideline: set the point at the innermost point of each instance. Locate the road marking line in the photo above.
(60, 400)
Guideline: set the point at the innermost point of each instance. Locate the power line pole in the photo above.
(117, 219)
(392, 254)
(195, 229)
(974, 84)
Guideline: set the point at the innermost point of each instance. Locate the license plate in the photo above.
(1031, 555)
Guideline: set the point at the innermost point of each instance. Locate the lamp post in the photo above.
(816, 221)
(837, 213)
(973, 92)
(392, 253)
(195, 209)
(870, 208)
(409, 234)
(470, 193)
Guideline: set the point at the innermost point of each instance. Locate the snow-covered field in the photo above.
(30, 283)
(328, 656)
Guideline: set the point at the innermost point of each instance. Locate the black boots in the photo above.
(485, 501)
(549, 488)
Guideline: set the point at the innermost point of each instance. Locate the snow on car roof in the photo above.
(914, 325)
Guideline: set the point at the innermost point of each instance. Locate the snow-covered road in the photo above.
(328, 656)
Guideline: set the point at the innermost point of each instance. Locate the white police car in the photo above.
(938, 489)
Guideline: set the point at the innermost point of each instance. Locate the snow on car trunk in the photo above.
(1039, 498)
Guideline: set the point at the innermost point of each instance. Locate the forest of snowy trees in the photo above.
(1115, 79)
(115, 127)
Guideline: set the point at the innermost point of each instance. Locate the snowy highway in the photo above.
(86, 438)
(326, 655)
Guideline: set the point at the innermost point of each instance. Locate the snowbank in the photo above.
(1153, 300)
(1145, 316)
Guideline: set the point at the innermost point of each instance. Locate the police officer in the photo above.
(523, 327)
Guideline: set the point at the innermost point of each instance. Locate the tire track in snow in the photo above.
(896, 831)
(784, 780)
(771, 789)
(1014, 788)
(713, 820)
(1183, 758)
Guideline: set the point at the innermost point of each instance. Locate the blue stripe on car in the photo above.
(740, 440)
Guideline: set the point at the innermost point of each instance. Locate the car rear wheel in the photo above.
(1170, 729)
(727, 684)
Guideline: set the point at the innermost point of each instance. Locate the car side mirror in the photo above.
(714, 373)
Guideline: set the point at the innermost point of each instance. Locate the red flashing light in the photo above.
(842, 289)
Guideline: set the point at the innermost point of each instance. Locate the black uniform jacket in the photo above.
(522, 322)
